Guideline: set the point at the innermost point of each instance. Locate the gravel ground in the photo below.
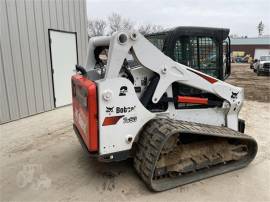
(257, 88)
(42, 160)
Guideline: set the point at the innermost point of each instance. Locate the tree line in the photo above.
(260, 29)
(116, 22)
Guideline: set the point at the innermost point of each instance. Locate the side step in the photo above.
(157, 132)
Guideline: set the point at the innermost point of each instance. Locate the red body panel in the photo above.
(84, 102)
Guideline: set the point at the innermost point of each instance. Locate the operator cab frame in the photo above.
(203, 48)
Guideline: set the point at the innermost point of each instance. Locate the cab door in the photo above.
(198, 52)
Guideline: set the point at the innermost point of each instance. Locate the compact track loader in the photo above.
(129, 102)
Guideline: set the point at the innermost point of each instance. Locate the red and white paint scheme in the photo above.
(108, 105)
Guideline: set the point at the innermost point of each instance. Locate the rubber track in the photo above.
(155, 134)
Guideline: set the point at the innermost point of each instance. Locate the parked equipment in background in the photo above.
(241, 57)
(262, 65)
(179, 124)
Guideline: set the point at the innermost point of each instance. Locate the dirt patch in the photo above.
(257, 88)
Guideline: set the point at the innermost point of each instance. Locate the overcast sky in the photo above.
(241, 16)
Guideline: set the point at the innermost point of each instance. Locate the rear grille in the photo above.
(266, 65)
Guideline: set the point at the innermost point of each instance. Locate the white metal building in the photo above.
(40, 43)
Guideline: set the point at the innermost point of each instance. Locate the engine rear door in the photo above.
(84, 102)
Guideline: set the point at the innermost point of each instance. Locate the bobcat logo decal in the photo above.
(234, 95)
(109, 109)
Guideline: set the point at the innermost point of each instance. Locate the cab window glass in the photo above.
(197, 52)
(158, 42)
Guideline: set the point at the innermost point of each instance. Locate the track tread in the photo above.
(155, 134)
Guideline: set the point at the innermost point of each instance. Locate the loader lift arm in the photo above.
(169, 71)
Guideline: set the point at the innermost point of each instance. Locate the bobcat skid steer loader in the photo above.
(128, 103)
